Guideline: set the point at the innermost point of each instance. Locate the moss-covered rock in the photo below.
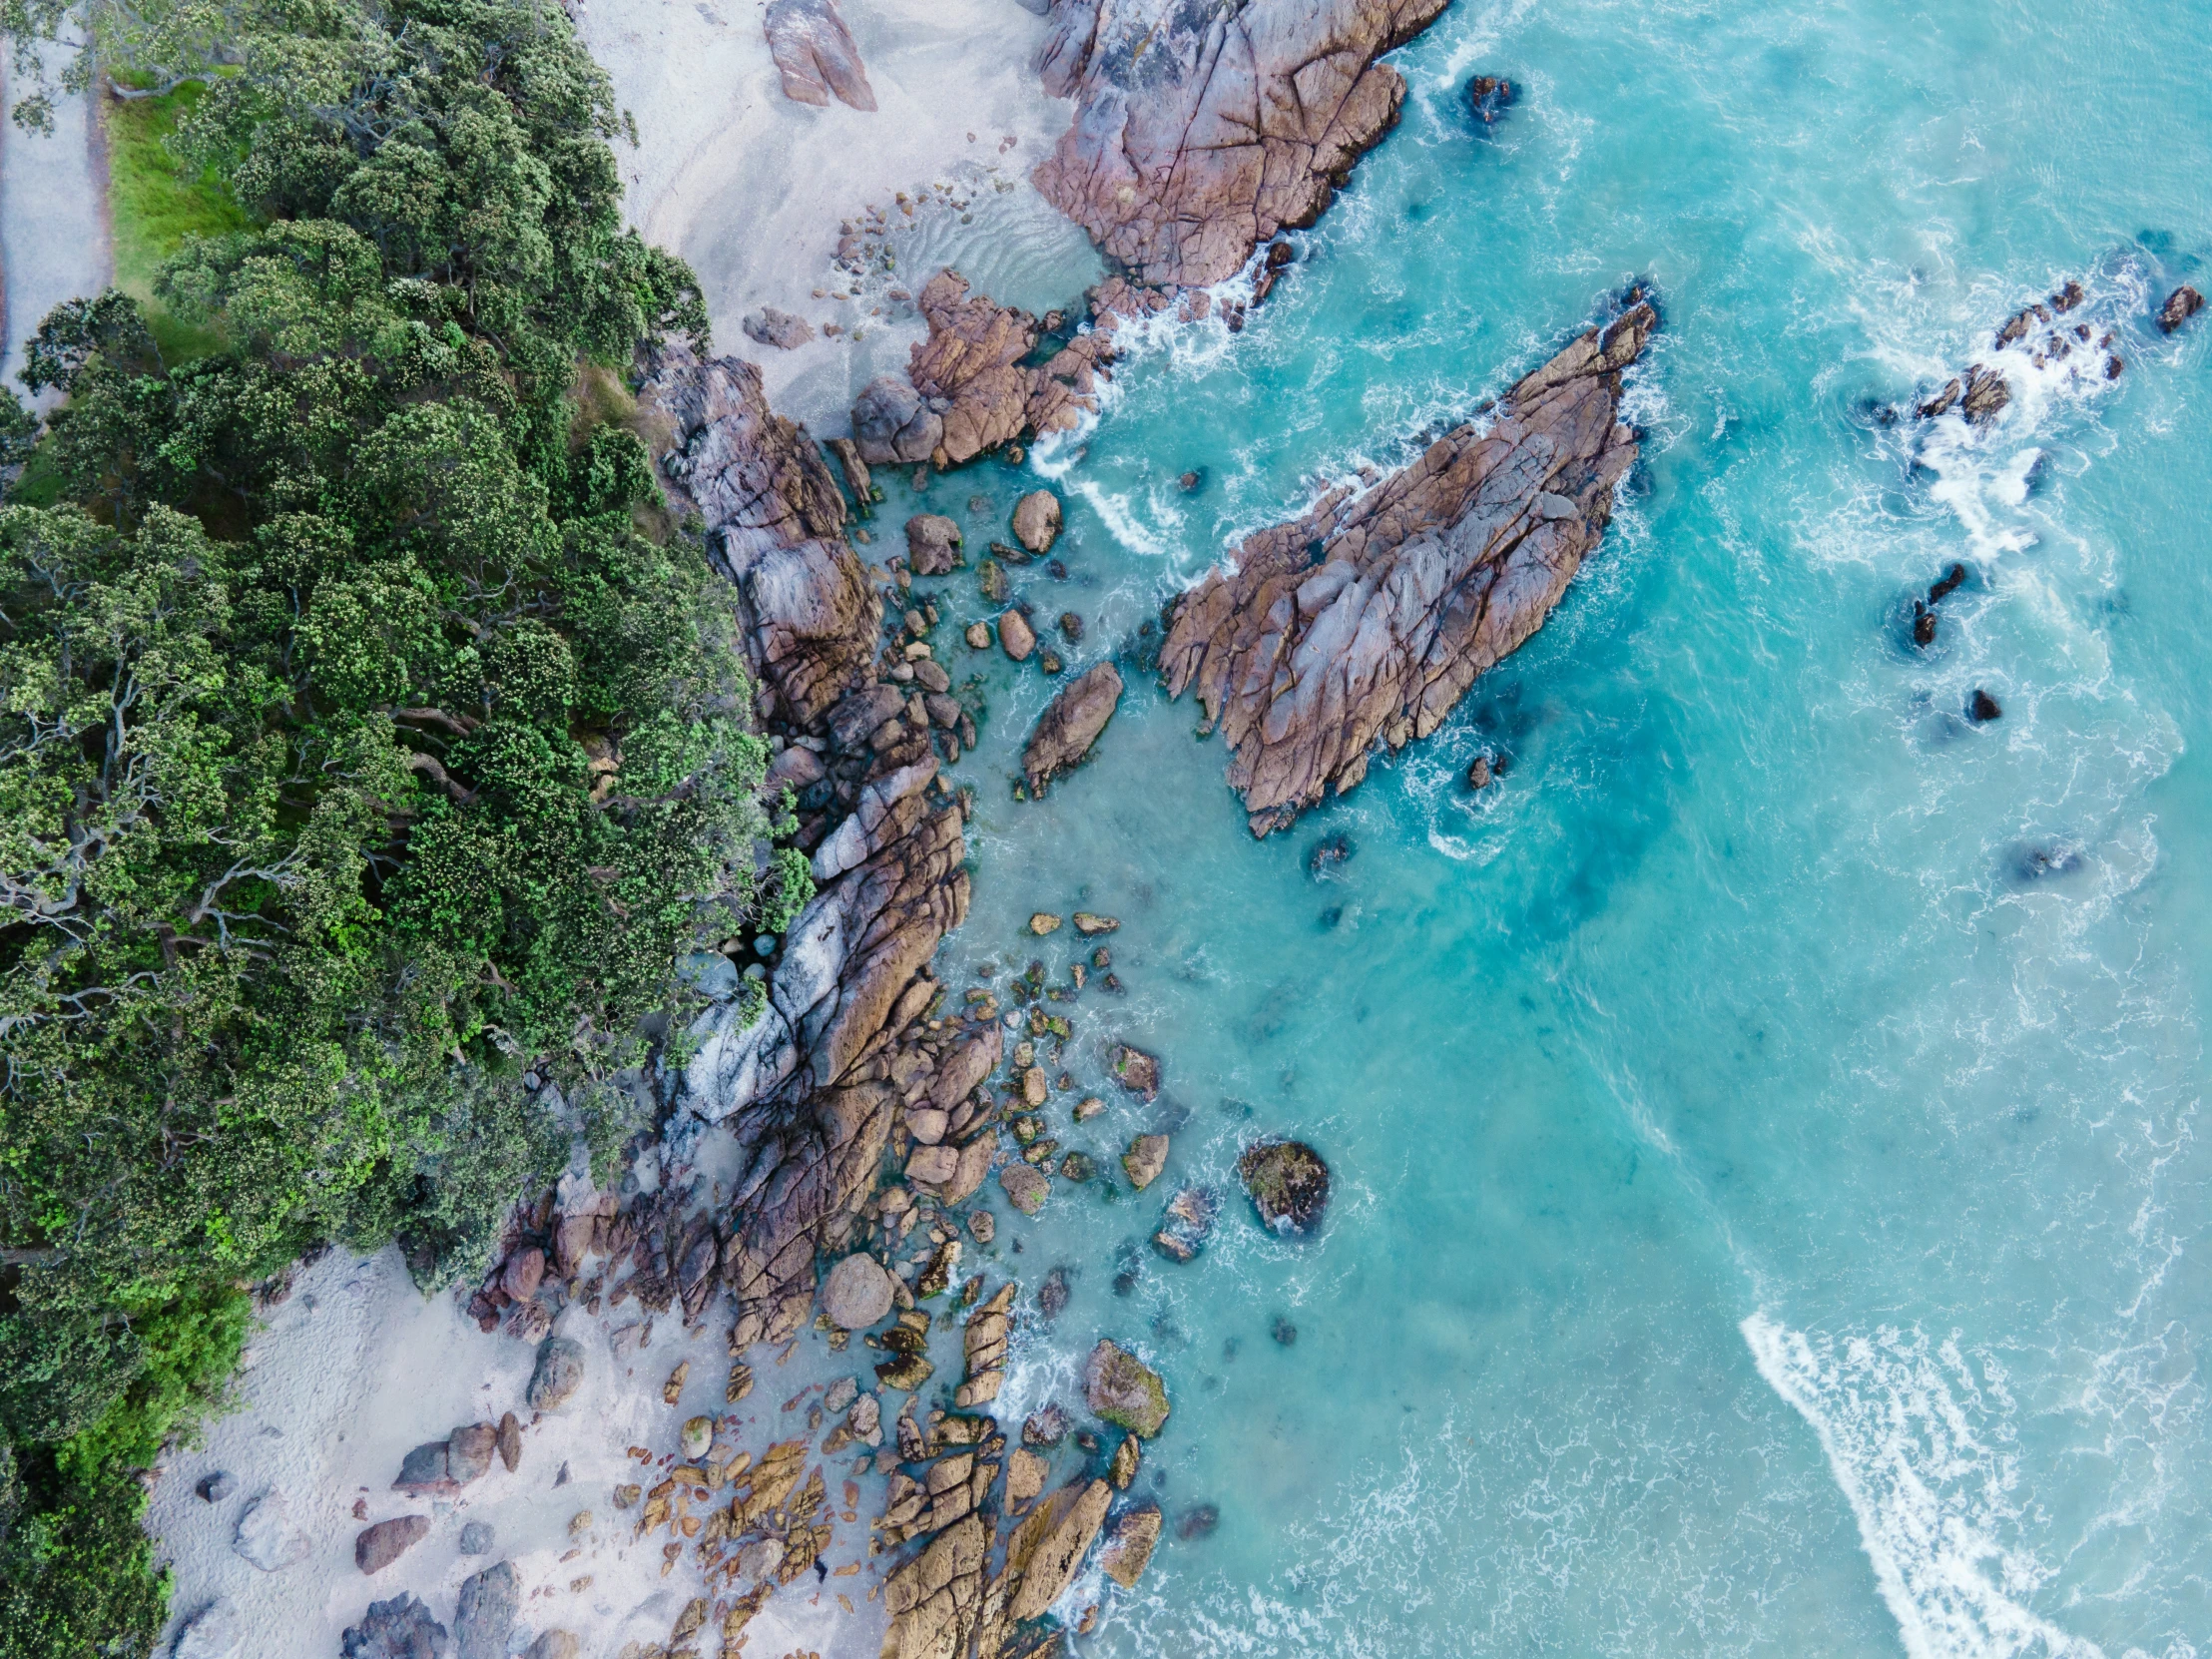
(1124, 1390)
(1287, 1182)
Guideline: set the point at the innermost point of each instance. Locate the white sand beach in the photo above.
(751, 187)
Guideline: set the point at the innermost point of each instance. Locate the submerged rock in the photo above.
(1124, 1390)
(1189, 1219)
(1287, 1182)
(1219, 129)
(1364, 622)
(814, 54)
(1488, 98)
(1070, 724)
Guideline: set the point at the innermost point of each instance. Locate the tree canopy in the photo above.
(373, 747)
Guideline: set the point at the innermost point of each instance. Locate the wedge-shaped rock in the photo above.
(1365, 621)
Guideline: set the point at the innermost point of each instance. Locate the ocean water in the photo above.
(1770, 1207)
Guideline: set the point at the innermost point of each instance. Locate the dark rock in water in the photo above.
(214, 1488)
(1478, 773)
(400, 1628)
(1193, 479)
(1189, 1220)
(2182, 305)
(486, 1614)
(1287, 1182)
(1488, 96)
(558, 1373)
(2030, 863)
(378, 1546)
(1328, 855)
(1359, 625)
(476, 1538)
(1982, 707)
(1987, 391)
(1947, 584)
(1136, 1071)
(1196, 1524)
(1070, 724)
(1071, 627)
(1924, 625)
(1332, 917)
(1052, 1295)
(1283, 1331)
(1124, 1390)
(1046, 1426)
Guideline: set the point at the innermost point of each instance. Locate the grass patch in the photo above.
(158, 202)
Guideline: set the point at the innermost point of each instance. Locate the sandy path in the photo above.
(751, 187)
(54, 242)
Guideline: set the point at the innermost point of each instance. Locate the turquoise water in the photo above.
(1770, 1208)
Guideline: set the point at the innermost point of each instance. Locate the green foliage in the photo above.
(76, 1576)
(156, 202)
(358, 753)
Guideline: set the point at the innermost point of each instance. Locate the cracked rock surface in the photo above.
(1368, 618)
(1202, 132)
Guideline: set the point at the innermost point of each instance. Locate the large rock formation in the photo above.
(1201, 132)
(814, 54)
(1070, 724)
(775, 526)
(1366, 620)
(815, 1083)
(966, 388)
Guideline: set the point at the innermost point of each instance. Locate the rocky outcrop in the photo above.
(1365, 621)
(556, 1376)
(774, 526)
(1287, 1182)
(968, 389)
(1125, 1390)
(1070, 724)
(815, 55)
(2182, 305)
(2047, 332)
(1202, 132)
(857, 1293)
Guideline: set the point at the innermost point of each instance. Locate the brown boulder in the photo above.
(1071, 724)
(1016, 637)
(1126, 1392)
(1221, 128)
(1129, 1550)
(932, 544)
(1364, 622)
(814, 54)
(1037, 521)
(378, 1546)
(2182, 305)
(1050, 1545)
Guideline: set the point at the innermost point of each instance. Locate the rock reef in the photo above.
(1364, 619)
(1202, 132)
(968, 389)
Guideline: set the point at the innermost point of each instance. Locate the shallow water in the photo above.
(1765, 1122)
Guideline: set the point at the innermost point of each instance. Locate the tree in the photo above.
(368, 743)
